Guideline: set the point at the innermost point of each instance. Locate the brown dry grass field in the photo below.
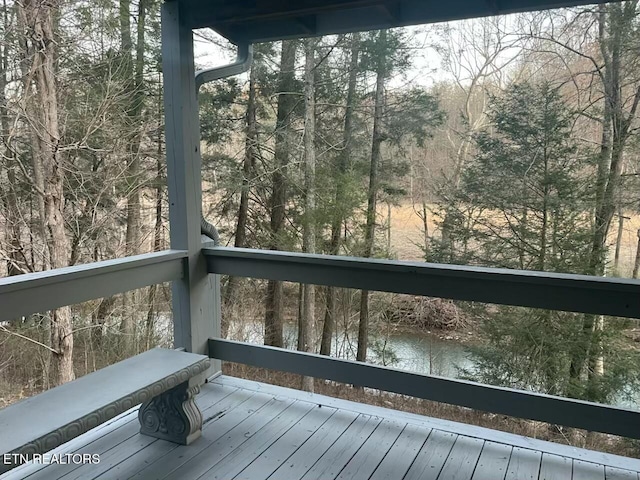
(407, 234)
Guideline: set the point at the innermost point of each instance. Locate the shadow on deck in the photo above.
(259, 431)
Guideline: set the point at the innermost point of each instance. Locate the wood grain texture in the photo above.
(341, 452)
(555, 467)
(254, 444)
(273, 457)
(612, 473)
(524, 464)
(373, 450)
(493, 461)
(462, 459)
(587, 471)
(402, 454)
(432, 456)
(312, 450)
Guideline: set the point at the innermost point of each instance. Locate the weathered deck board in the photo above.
(273, 457)
(210, 398)
(612, 473)
(255, 431)
(233, 461)
(227, 443)
(524, 464)
(310, 452)
(555, 467)
(373, 450)
(250, 403)
(341, 452)
(405, 449)
(493, 461)
(463, 458)
(432, 456)
(587, 471)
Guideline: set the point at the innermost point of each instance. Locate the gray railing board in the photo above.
(47, 420)
(555, 291)
(42, 291)
(506, 401)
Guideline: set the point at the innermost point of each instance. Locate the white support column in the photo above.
(196, 316)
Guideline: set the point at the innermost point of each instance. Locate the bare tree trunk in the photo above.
(157, 237)
(339, 214)
(248, 169)
(636, 265)
(134, 224)
(286, 102)
(614, 22)
(48, 163)
(369, 234)
(616, 258)
(306, 326)
(425, 230)
(15, 254)
(388, 227)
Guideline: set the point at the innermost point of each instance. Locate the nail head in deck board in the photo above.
(373, 450)
(462, 459)
(587, 471)
(555, 467)
(611, 473)
(235, 461)
(339, 454)
(432, 456)
(249, 402)
(271, 459)
(314, 448)
(524, 464)
(493, 461)
(401, 455)
(245, 429)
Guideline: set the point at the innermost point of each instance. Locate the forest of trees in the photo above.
(513, 142)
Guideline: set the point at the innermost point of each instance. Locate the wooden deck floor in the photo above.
(258, 431)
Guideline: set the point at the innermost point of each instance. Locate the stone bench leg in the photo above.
(174, 415)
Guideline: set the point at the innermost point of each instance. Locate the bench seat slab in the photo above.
(47, 420)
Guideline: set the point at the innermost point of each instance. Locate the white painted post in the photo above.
(196, 316)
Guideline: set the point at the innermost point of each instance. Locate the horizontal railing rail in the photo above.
(506, 401)
(37, 292)
(554, 291)
(567, 292)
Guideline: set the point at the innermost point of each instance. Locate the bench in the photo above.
(163, 381)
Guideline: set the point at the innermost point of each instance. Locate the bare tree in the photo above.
(476, 54)
(372, 201)
(40, 89)
(286, 103)
(307, 319)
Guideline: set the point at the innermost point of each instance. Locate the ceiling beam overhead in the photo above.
(266, 20)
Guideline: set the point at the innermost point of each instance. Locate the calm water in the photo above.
(415, 352)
